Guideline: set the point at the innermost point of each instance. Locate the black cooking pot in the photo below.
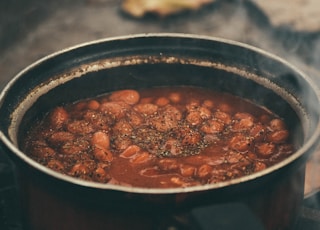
(50, 200)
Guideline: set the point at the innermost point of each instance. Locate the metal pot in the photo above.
(50, 200)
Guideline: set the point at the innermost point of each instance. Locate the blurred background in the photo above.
(32, 29)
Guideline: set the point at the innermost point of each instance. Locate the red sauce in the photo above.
(161, 138)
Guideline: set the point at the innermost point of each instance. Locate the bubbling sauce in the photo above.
(159, 138)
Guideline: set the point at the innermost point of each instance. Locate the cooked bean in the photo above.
(194, 118)
(78, 170)
(130, 151)
(265, 149)
(187, 170)
(80, 127)
(168, 164)
(175, 97)
(172, 147)
(60, 137)
(204, 171)
(101, 139)
(42, 152)
(258, 132)
(115, 109)
(123, 128)
(277, 124)
(134, 119)
(258, 166)
(180, 182)
(102, 154)
(208, 104)
(141, 157)
(240, 143)
(56, 165)
(93, 104)
(243, 122)
(278, 136)
(74, 147)
(162, 101)
(121, 143)
(212, 126)
(223, 117)
(58, 117)
(101, 175)
(97, 120)
(130, 97)
(192, 138)
(205, 113)
(146, 109)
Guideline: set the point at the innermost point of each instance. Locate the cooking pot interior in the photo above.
(159, 75)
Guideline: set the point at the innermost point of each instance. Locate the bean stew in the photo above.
(162, 137)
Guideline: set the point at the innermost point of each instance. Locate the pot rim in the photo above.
(308, 145)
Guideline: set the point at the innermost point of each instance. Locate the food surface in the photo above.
(162, 137)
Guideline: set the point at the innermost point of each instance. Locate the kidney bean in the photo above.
(80, 127)
(101, 175)
(240, 143)
(56, 165)
(115, 109)
(192, 138)
(257, 132)
(141, 157)
(167, 164)
(128, 96)
(243, 121)
(212, 126)
(102, 154)
(277, 124)
(205, 113)
(172, 147)
(58, 117)
(134, 119)
(258, 166)
(165, 122)
(101, 139)
(97, 120)
(60, 137)
(208, 104)
(180, 182)
(42, 152)
(121, 143)
(278, 136)
(162, 101)
(204, 171)
(74, 147)
(264, 118)
(224, 107)
(265, 149)
(122, 128)
(130, 151)
(78, 170)
(187, 170)
(93, 105)
(223, 117)
(194, 118)
(234, 157)
(146, 109)
(150, 172)
(175, 97)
